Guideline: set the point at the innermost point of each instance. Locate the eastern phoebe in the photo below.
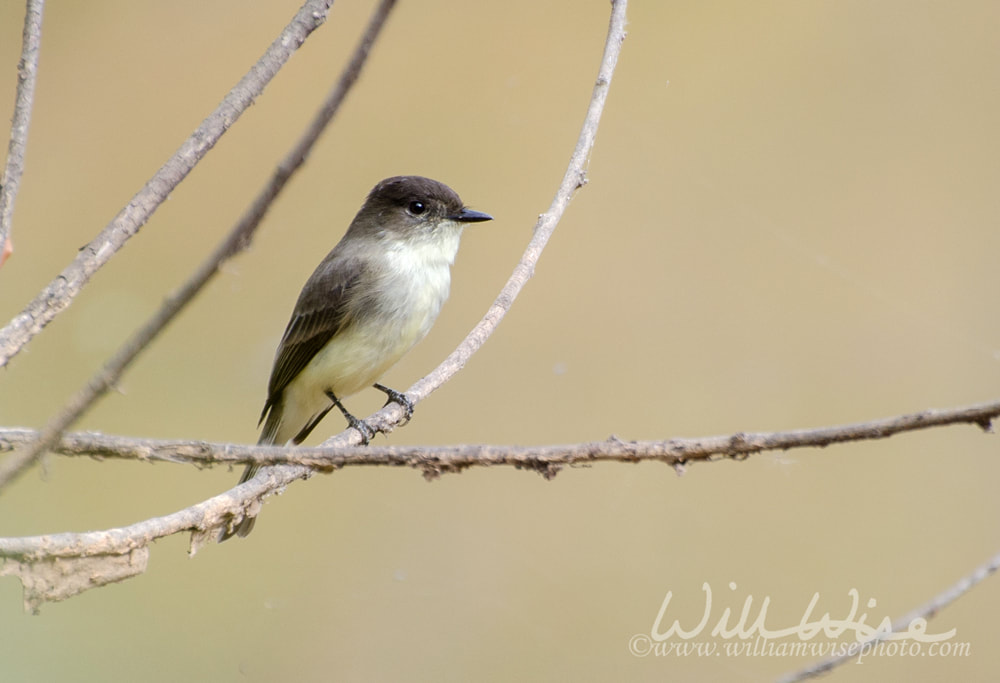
(367, 303)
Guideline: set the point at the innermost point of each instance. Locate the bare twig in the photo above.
(926, 611)
(59, 293)
(237, 240)
(436, 460)
(27, 75)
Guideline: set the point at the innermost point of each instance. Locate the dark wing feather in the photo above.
(320, 313)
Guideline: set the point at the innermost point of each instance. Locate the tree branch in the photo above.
(27, 75)
(59, 293)
(548, 460)
(238, 239)
(926, 611)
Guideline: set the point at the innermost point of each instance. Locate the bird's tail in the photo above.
(246, 524)
(267, 437)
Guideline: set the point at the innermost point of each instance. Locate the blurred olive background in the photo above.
(791, 222)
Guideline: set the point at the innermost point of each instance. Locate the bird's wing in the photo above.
(320, 313)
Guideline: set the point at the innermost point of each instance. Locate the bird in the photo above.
(369, 301)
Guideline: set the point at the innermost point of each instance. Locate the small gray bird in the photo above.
(367, 303)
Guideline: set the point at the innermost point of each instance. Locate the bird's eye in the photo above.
(417, 208)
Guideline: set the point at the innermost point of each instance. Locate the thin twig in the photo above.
(926, 611)
(236, 241)
(574, 178)
(59, 293)
(436, 460)
(27, 75)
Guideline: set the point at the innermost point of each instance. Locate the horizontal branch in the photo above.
(437, 460)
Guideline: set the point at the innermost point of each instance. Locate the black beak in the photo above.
(470, 216)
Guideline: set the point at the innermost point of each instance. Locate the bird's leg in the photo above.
(367, 433)
(397, 397)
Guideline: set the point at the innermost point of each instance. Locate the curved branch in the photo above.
(59, 293)
(27, 76)
(238, 239)
(574, 178)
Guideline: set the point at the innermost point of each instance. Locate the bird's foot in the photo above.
(366, 431)
(399, 398)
